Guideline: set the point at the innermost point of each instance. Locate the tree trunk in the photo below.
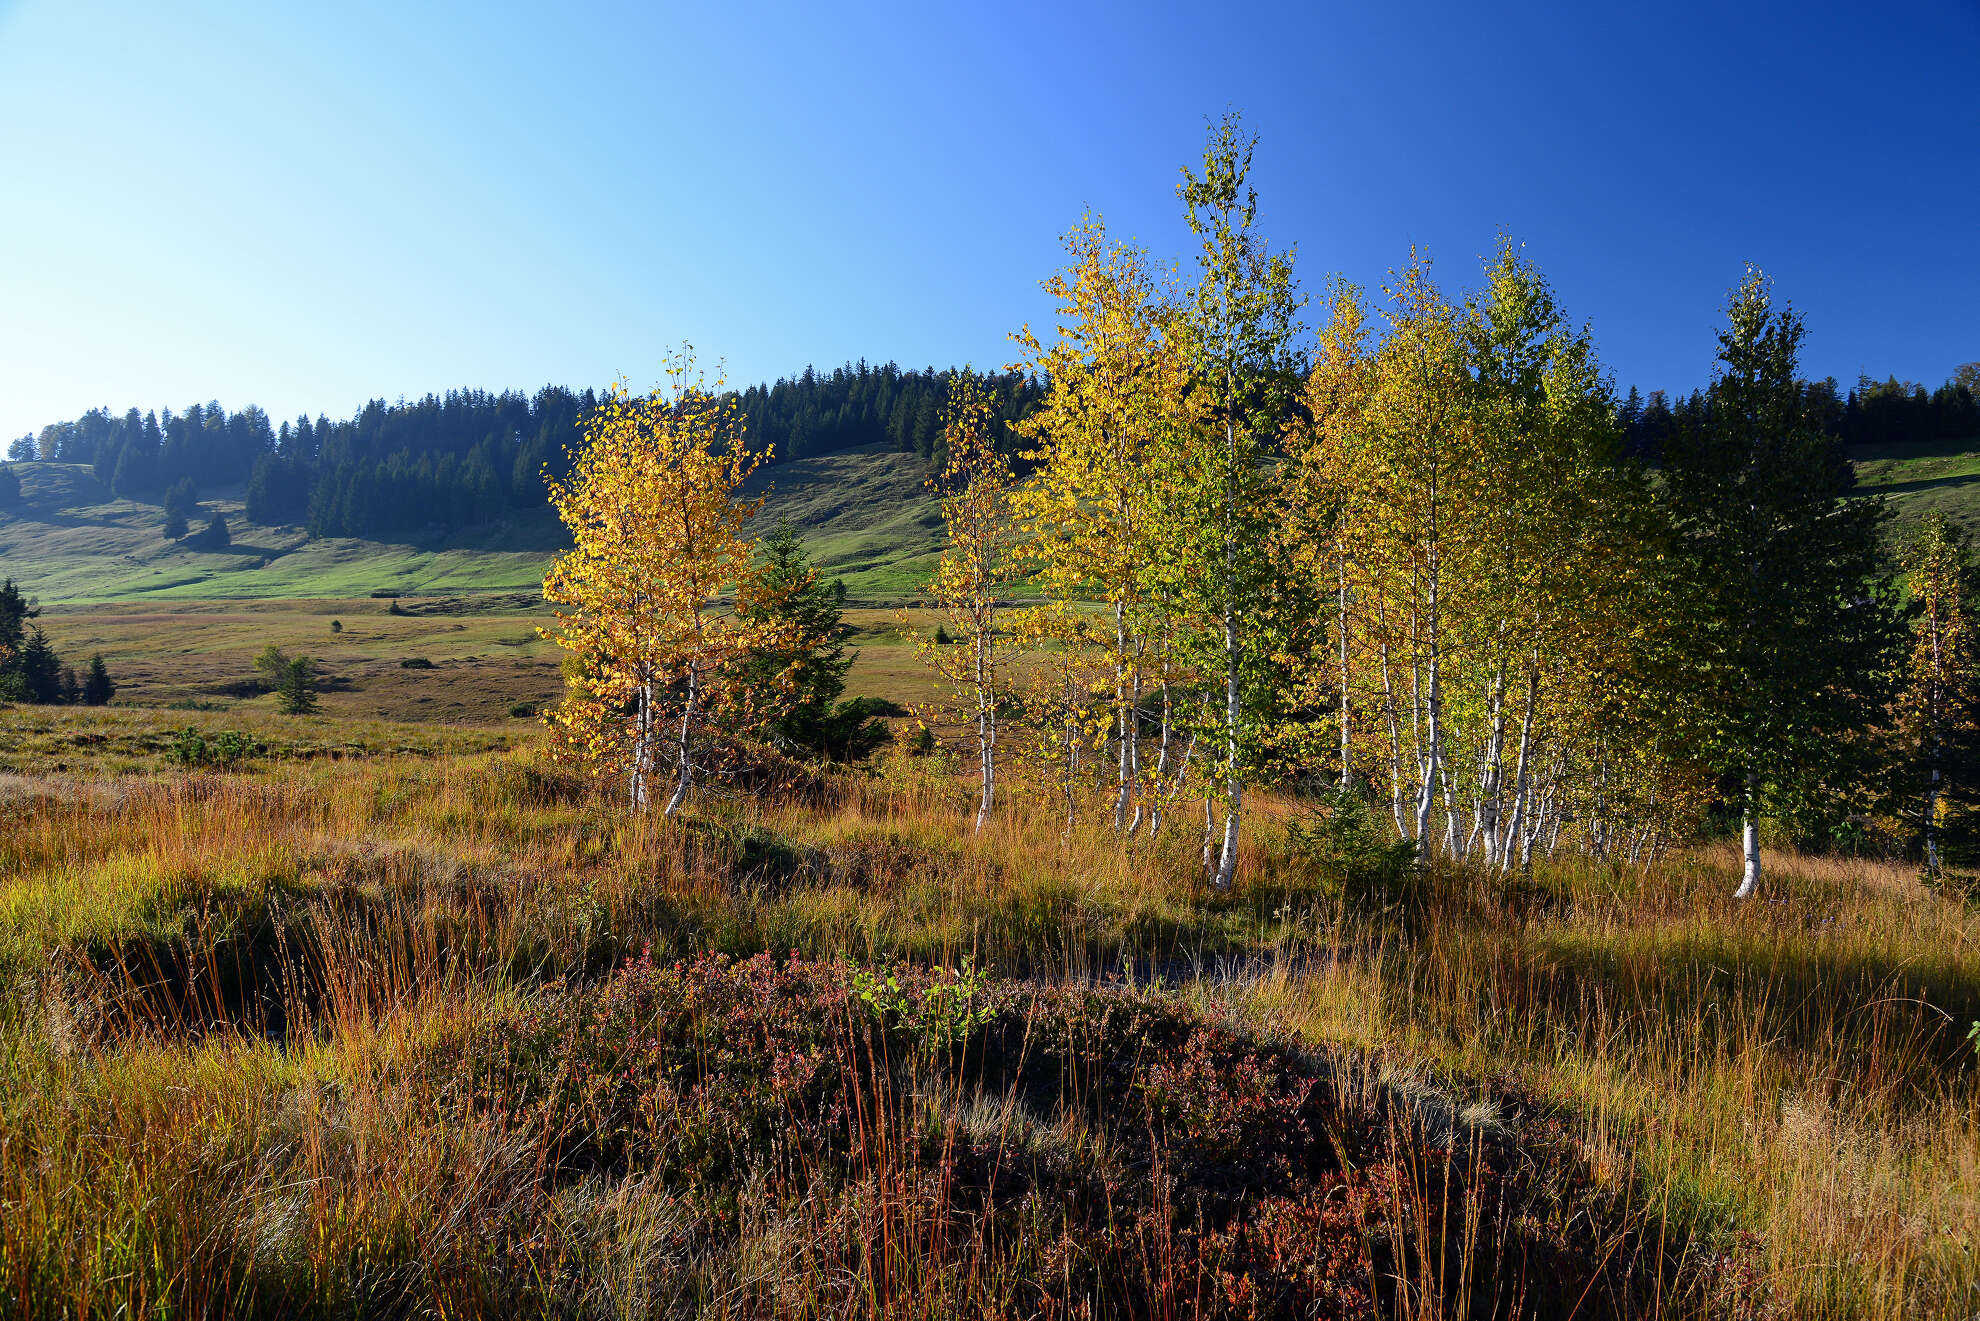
(1935, 717)
(986, 727)
(1121, 731)
(685, 745)
(1433, 708)
(639, 789)
(1749, 881)
(1233, 695)
(1341, 639)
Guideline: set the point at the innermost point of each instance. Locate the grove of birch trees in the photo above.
(1387, 549)
(1411, 560)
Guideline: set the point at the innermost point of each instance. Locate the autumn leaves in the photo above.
(1412, 560)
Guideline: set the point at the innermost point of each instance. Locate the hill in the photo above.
(1923, 479)
(865, 513)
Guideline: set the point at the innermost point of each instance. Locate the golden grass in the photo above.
(1794, 1069)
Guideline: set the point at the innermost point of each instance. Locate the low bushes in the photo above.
(986, 1147)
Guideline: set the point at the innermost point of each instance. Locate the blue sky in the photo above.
(305, 208)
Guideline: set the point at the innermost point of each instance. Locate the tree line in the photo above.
(1410, 561)
(1873, 415)
(460, 459)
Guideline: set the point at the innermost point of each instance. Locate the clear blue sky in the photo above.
(304, 210)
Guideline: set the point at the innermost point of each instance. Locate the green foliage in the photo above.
(799, 675)
(269, 667)
(1343, 837)
(224, 750)
(98, 688)
(941, 1008)
(1239, 326)
(415, 663)
(336, 626)
(296, 693)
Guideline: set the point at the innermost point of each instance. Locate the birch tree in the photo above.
(1240, 324)
(1411, 470)
(1091, 512)
(1937, 715)
(975, 488)
(652, 506)
(1324, 511)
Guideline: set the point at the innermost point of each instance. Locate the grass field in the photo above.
(865, 514)
(388, 1021)
(1922, 480)
(486, 657)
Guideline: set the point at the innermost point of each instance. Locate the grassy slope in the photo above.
(1922, 480)
(865, 512)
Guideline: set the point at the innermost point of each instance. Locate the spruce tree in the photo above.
(34, 672)
(1794, 631)
(15, 612)
(10, 487)
(97, 687)
(800, 672)
(181, 504)
(296, 695)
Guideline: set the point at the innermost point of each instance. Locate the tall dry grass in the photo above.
(224, 996)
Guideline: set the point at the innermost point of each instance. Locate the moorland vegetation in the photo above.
(1312, 894)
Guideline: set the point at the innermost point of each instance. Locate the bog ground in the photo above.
(394, 1018)
(378, 1012)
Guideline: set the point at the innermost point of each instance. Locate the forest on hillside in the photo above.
(1874, 415)
(469, 456)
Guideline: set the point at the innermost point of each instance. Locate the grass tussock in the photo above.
(446, 1032)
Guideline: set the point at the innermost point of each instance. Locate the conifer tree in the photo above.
(1793, 634)
(797, 670)
(295, 694)
(181, 503)
(97, 687)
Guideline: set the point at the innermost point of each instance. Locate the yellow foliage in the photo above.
(652, 507)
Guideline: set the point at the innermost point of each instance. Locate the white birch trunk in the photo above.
(1749, 881)
(684, 747)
